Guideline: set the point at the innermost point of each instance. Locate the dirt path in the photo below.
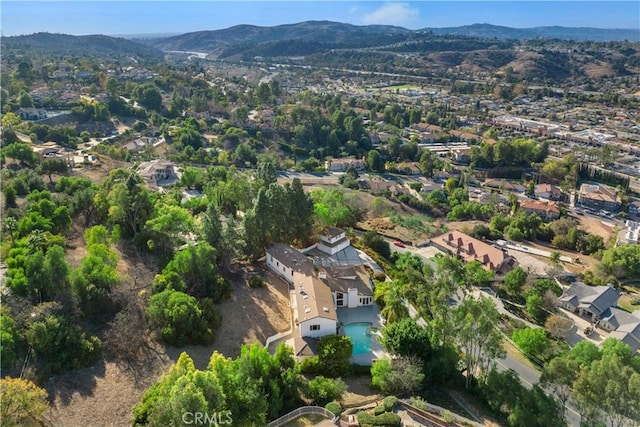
(105, 394)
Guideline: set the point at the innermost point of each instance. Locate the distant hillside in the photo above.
(324, 32)
(562, 33)
(94, 45)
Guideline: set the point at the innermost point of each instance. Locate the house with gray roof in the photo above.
(629, 334)
(588, 300)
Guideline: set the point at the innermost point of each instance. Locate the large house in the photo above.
(600, 303)
(599, 197)
(587, 300)
(155, 171)
(547, 211)
(342, 164)
(316, 292)
(548, 192)
(333, 240)
(470, 249)
(32, 114)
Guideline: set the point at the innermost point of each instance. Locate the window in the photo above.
(339, 299)
(314, 327)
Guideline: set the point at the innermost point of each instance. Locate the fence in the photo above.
(304, 410)
(436, 420)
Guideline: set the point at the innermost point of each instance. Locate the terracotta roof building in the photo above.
(470, 249)
(548, 211)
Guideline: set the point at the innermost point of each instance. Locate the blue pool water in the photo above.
(360, 337)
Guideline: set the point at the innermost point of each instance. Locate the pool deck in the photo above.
(366, 314)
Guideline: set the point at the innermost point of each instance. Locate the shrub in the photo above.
(256, 281)
(323, 390)
(389, 402)
(419, 403)
(386, 419)
(334, 407)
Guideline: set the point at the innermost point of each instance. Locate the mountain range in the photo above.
(347, 35)
(555, 32)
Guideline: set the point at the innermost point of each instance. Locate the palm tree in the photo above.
(395, 308)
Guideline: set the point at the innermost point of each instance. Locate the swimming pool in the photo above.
(360, 337)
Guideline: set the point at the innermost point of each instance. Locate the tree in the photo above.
(621, 261)
(10, 194)
(558, 326)
(375, 162)
(21, 152)
(407, 338)
(197, 272)
(323, 390)
(535, 307)
(373, 240)
(60, 345)
(398, 376)
(475, 275)
(532, 341)
(53, 165)
(23, 402)
(611, 387)
(389, 295)
(266, 171)
(127, 201)
(514, 280)
(170, 226)
(8, 341)
(475, 332)
(558, 376)
(191, 177)
(180, 319)
(148, 95)
(334, 355)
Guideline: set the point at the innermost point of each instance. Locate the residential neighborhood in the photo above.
(372, 223)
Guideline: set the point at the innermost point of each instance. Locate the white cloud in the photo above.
(400, 14)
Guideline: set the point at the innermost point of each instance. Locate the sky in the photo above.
(119, 17)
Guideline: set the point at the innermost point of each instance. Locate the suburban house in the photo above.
(342, 164)
(629, 333)
(155, 171)
(350, 286)
(630, 235)
(316, 291)
(548, 192)
(599, 197)
(547, 211)
(470, 249)
(409, 168)
(634, 209)
(500, 184)
(333, 240)
(32, 114)
(599, 302)
(587, 300)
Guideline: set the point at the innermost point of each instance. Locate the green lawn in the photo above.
(306, 420)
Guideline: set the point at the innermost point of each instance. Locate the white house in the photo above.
(350, 286)
(316, 292)
(284, 261)
(333, 240)
(314, 313)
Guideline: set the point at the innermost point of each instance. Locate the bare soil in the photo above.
(105, 394)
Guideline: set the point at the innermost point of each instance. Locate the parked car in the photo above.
(399, 244)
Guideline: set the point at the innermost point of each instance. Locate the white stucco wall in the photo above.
(327, 327)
